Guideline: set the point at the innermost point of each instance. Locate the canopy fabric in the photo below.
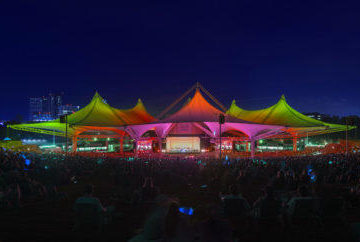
(50, 128)
(99, 113)
(253, 131)
(96, 114)
(279, 119)
(283, 114)
(198, 109)
(136, 115)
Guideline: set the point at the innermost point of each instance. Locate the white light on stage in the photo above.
(183, 144)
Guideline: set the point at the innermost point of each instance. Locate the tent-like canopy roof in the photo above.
(96, 114)
(99, 113)
(283, 114)
(277, 120)
(198, 109)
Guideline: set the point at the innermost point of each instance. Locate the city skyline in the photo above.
(49, 107)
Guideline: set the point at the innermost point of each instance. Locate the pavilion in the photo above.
(192, 128)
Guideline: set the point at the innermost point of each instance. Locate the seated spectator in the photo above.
(88, 198)
(237, 211)
(268, 214)
(215, 229)
(90, 211)
(154, 227)
(14, 196)
(136, 197)
(235, 204)
(303, 208)
(177, 227)
(302, 195)
(148, 189)
(267, 206)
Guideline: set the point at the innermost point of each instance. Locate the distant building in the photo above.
(44, 108)
(318, 116)
(67, 109)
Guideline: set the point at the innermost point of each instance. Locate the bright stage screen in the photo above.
(183, 144)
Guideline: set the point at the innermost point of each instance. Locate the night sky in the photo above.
(251, 51)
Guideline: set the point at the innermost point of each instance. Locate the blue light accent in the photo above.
(204, 186)
(187, 211)
(313, 178)
(191, 211)
(226, 157)
(311, 174)
(330, 162)
(46, 167)
(27, 162)
(309, 171)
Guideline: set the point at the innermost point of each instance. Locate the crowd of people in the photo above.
(197, 199)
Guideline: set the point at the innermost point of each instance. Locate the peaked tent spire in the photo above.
(198, 109)
(96, 113)
(137, 115)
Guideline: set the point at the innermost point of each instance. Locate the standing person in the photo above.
(267, 206)
(85, 205)
(88, 198)
(237, 211)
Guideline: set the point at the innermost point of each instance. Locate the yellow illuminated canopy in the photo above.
(98, 113)
(283, 114)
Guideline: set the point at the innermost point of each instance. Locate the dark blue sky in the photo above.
(251, 51)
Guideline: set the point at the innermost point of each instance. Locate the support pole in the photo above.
(221, 121)
(252, 144)
(160, 145)
(66, 135)
(136, 149)
(220, 142)
(307, 138)
(122, 144)
(294, 143)
(74, 146)
(53, 137)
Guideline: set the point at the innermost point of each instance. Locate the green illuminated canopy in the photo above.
(98, 113)
(283, 114)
